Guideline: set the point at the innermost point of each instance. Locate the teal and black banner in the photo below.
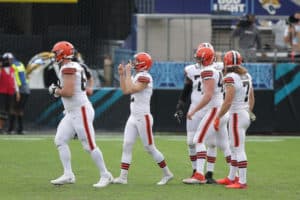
(112, 110)
(287, 97)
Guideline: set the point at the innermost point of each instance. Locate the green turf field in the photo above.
(29, 162)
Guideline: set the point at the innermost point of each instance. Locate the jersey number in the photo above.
(246, 85)
(199, 83)
(220, 82)
(83, 81)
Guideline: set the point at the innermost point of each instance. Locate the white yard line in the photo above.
(165, 137)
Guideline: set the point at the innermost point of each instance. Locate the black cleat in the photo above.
(209, 178)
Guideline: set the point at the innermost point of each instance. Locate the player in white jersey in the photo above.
(211, 86)
(239, 102)
(221, 139)
(192, 90)
(140, 121)
(79, 116)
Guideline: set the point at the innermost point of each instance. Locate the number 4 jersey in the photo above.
(242, 85)
(79, 98)
(208, 73)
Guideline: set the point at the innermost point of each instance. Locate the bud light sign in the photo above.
(235, 7)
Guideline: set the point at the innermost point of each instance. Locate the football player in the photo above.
(87, 71)
(79, 115)
(211, 87)
(192, 90)
(140, 121)
(239, 102)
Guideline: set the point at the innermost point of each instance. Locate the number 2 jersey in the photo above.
(140, 101)
(79, 98)
(242, 85)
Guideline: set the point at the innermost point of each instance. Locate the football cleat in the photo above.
(64, 179)
(165, 179)
(237, 186)
(195, 179)
(227, 181)
(209, 178)
(104, 181)
(120, 180)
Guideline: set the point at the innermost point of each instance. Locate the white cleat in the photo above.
(165, 179)
(190, 181)
(64, 179)
(104, 181)
(120, 180)
(197, 178)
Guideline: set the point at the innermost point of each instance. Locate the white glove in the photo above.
(252, 116)
(52, 88)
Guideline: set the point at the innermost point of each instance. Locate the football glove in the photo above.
(252, 116)
(52, 89)
(179, 116)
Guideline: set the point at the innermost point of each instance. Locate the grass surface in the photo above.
(29, 162)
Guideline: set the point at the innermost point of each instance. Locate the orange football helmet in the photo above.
(142, 61)
(205, 44)
(63, 50)
(205, 56)
(232, 58)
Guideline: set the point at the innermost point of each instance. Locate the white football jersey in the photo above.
(242, 85)
(79, 98)
(219, 66)
(210, 72)
(193, 73)
(140, 101)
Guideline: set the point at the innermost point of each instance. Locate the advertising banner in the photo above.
(231, 7)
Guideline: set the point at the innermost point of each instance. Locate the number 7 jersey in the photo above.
(242, 85)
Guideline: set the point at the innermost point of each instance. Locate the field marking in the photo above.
(23, 138)
(164, 137)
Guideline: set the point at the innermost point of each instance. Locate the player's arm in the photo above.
(68, 89)
(132, 87)
(121, 72)
(229, 95)
(208, 89)
(185, 93)
(251, 99)
(184, 96)
(90, 80)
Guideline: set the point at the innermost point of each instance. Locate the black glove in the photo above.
(52, 89)
(179, 115)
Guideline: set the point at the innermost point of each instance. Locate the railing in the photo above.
(170, 75)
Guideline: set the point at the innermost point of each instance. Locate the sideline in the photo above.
(119, 137)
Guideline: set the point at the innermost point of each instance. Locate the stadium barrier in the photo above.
(112, 111)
